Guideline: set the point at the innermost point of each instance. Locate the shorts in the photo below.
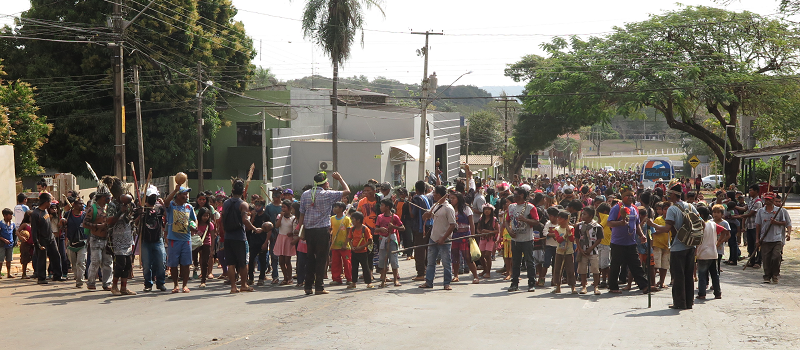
(6, 254)
(589, 263)
(179, 253)
(384, 251)
(549, 255)
(486, 245)
(538, 257)
(661, 257)
(605, 256)
(236, 253)
(123, 264)
(643, 259)
(25, 253)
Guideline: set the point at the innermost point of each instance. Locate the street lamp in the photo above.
(725, 156)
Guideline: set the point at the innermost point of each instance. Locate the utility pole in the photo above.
(264, 146)
(505, 100)
(467, 155)
(140, 142)
(199, 127)
(119, 94)
(424, 113)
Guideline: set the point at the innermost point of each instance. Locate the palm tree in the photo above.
(333, 25)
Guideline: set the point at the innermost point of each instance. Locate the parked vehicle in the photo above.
(608, 168)
(712, 181)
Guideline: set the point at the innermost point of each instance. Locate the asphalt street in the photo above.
(751, 315)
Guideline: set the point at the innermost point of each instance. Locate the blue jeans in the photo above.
(153, 263)
(273, 259)
(703, 268)
(302, 260)
(439, 251)
(733, 244)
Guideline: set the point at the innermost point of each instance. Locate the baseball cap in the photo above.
(769, 195)
(288, 191)
(184, 189)
(276, 189)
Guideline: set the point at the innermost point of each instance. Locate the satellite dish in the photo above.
(282, 112)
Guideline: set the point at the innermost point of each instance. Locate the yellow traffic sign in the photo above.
(694, 162)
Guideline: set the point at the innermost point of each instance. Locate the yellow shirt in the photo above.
(339, 232)
(606, 229)
(660, 240)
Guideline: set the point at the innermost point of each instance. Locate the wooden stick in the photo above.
(247, 183)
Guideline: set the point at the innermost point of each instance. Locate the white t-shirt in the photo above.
(285, 225)
(708, 249)
(19, 213)
(442, 219)
(563, 188)
(551, 242)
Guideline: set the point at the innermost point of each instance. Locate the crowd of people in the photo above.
(602, 227)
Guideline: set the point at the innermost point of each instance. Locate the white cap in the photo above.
(152, 190)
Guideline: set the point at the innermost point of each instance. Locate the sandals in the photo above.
(128, 292)
(185, 290)
(447, 287)
(248, 289)
(283, 283)
(455, 279)
(476, 281)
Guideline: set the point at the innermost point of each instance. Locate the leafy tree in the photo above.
(485, 134)
(333, 25)
(690, 64)
(20, 126)
(167, 41)
(262, 77)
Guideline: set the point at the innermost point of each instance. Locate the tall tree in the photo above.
(73, 80)
(485, 134)
(689, 65)
(20, 126)
(333, 24)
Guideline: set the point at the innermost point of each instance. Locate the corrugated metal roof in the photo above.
(771, 151)
(481, 159)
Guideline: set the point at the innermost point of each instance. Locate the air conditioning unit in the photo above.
(326, 165)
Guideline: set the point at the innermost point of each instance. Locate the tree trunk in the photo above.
(334, 117)
(516, 164)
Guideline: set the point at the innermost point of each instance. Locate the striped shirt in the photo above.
(318, 214)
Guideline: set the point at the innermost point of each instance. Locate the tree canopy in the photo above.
(73, 80)
(20, 125)
(690, 65)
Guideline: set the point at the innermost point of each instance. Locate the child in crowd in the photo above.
(550, 244)
(359, 238)
(590, 233)
(504, 241)
(340, 251)
(387, 226)
(645, 254)
(205, 229)
(717, 212)
(707, 254)
(604, 249)
(488, 226)
(302, 247)
(7, 240)
(284, 247)
(565, 236)
(661, 244)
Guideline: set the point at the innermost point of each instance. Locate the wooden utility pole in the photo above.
(119, 93)
(424, 102)
(140, 142)
(199, 127)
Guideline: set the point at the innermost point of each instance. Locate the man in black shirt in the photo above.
(45, 241)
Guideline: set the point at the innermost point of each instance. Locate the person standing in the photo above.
(771, 223)
(181, 221)
(315, 209)
(682, 257)
(45, 241)
(152, 241)
(7, 240)
(258, 244)
(235, 220)
(76, 241)
(522, 220)
(273, 210)
(754, 204)
(444, 223)
(20, 209)
(420, 204)
(121, 218)
(95, 221)
(624, 222)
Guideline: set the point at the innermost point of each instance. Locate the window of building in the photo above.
(248, 134)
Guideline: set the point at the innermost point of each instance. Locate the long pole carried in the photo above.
(446, 241)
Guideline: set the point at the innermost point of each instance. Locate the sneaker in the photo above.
(147, 289)
(531, 288)
(774, 280)
(41, 282)
(767, 281)
(351, 286)
(162, 288)
(259, 283)
(320, 292)
(79, 285)
(513, 288)
(91, 287)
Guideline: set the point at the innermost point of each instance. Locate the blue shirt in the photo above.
(7, 232)
(675, 214)
(178, 219)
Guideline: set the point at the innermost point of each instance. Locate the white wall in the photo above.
(8, 178)
(357, 162)
(374, 125)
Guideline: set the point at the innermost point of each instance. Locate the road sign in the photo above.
(694, 162)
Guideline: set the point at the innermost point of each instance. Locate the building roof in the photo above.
(771, 151)
(478, 159)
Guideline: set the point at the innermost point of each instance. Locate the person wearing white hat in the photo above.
(152, 241)
(95, 221)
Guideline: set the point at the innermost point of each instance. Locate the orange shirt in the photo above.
(367, 208)
(359, 237)
(400, 205)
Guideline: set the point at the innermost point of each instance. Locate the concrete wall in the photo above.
(357, 161)
(8, 178)
(375, 125)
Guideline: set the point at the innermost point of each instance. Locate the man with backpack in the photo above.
(682, 220)
(152, 241)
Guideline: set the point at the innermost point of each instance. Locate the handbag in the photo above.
(474, 250)
(197, 241)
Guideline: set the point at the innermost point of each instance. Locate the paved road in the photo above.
(750, 316)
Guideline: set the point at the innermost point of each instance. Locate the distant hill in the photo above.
(465, 97)
(510, 90)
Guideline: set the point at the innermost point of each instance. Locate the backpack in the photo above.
(691, 232)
